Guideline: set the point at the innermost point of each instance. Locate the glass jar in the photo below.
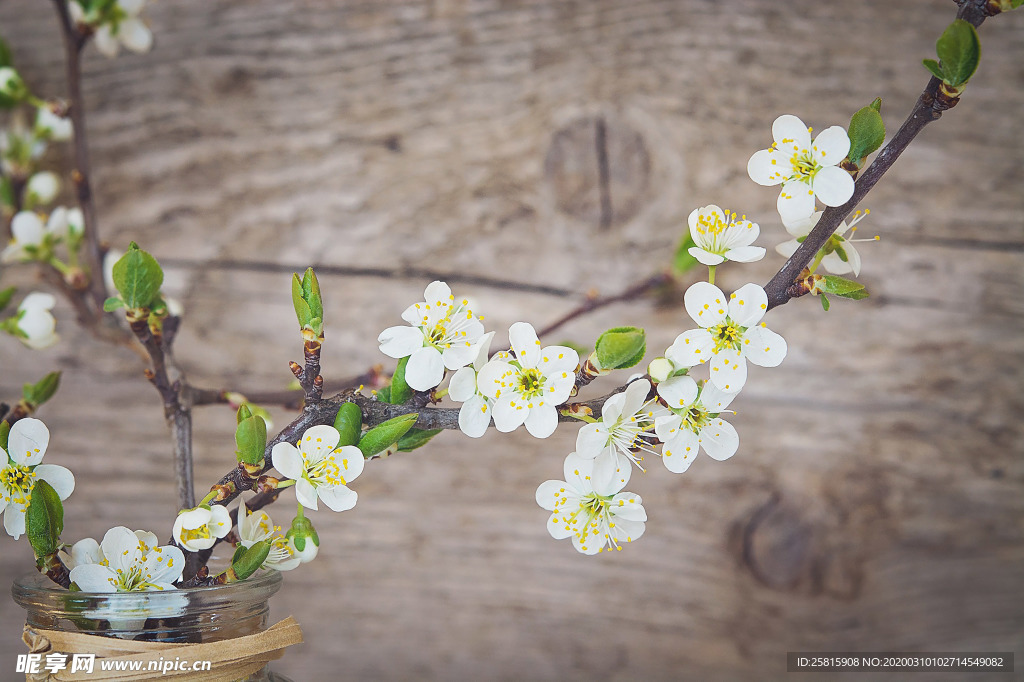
(186, 616)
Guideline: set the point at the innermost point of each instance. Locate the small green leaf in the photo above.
(824, 302)
(6, 295)
(250, 561)
(683, 262)
(400, 391)
(867, 132)
(138, 277)
(6, 189)
(621, 347)
(416, 438)
(840, 286)
(251, 439)
(243, 413)
(38, 393)
(113, 303)
(300, 531)
(382, 437)
(959, 50)
(44, 519)
(384, 394)
(302, 310)
(1014, 4)
(349, 423)
(5, 430)
(934, 67)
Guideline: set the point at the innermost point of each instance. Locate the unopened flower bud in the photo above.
(660, 369)
(304, 539)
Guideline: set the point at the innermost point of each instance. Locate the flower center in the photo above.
(326, 471)
(804, 167)
(728, 334)
(18, 481)
(530, 383)
(696, 418)
(449, 329)
(200, 533)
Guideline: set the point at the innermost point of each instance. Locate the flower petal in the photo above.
(678, 392)
(27, 441)
(766, 348)
(796, 200)
(14, 521)
(714, 399)
(831, 146)
(525, 344)
(790, 134)
(351, 460)
(165, 564)
(462, 385)
(542, 420)
(787, 249)
(120, 548)
(691, 348)
(719, 439)
(495, 378)
(557, 359)
(548, 494)
(667, 426)
(398, 342)
(438, 294)
(475, 417)
(318, 442)
(425, 369)
(592, 439)
(287, 460)
(748, 304)
(135, 35)
(833, 186)
(635, 397)
(767, 167)
(459, 354)
(679, 453)
(27, 228)
(705, 257)
(745, 254)
(509, 412)
(62, 480)
(106, 43)
(705, 303)
(338, 497)
(305, 493)
(729, 370)
(94, 578)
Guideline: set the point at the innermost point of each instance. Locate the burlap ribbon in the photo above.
(231, 659)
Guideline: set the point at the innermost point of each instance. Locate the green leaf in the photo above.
(621, 347)
(934, 67)
(6, 189)
(302, 310)
(300, 531)
(250, 561)
(1014, 4)
(416, 438)
(384, 394)
(113, 303)
(251, 439)
(959, 50)
(824, 302)
(5, 430)
(683, 262)
(349, 423)
(38, 393)
(382, 437)
(243, 413)
(138, 277)
(6, 295)
(867, 132)
(400, 391)
(5, 54)
(44, 519)
(840, 286)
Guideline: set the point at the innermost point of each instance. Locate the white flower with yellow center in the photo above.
(694, 423)
(624, 430)
(21, 469)
(475, 413)
(126, 561)
(729, 334)
(256, 526)
(840, 255)
(319, 469)
(805, 169)
(200, 528)
(442, 335)
(593, 513)
(527, 389)
(719, 237)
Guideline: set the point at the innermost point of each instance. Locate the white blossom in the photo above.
(53, 127)
(319, 469)
(33, 324)
(42, 188)
(719, 237)
(729, 336)
(200, 528)
(527, 390)
(624, 430)
(590, 509)
(805, 169)
(256, 526)
(841, 257)
(475, 413)
(442, 334)
(694, 423)
(26, 445)
(120, 25)
(31, 237)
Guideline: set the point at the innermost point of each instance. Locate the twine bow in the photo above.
(231, 659)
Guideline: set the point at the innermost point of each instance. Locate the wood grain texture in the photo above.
(876, 500)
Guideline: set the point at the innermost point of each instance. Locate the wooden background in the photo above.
(876, 501)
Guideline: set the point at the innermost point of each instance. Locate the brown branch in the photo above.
(929, 107)
(74, 43)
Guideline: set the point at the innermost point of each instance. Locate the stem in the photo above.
(711, 274)
(817, 261)
(929, 107)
